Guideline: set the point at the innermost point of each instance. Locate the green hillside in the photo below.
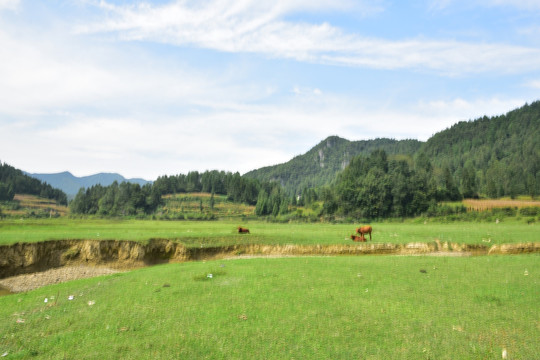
(14, 181)
(490, 156)
(498, 156)
(320, 165)
(202, 206)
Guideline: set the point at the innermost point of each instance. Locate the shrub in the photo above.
(529, 211)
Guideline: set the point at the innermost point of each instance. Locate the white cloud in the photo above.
(535, 84)
(520, 4)
(81, 102)
(232, 138)
(451, 111)
(9, 4)
(49, 72)
(306, 91)
(517, 4)
(257, 27)
(446, 57)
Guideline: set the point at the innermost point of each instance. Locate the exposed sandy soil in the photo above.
(28, 282)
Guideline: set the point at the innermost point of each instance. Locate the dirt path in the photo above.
(33, 281)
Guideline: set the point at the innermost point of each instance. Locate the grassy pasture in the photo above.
(367, 307)
(217, 233)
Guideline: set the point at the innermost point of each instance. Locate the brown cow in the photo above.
(357, 238)
(364, 230)
(242, 230)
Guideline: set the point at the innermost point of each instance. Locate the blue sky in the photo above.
(166, 87)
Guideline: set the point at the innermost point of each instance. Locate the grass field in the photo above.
(217, 233)
(368, 307)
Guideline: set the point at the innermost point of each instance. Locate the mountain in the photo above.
(319, 166)
(492, 156)
(71, 184)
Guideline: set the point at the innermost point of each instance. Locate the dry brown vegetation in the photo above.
(29, 203)
(480, 205)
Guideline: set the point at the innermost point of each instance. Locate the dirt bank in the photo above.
(33, 281)
(80, 258)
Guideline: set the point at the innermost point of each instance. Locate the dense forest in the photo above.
(499, 156)
(375, 186)
(14, 181)
(116, 200)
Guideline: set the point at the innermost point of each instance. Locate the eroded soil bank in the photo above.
(27, 282)
(26, 258)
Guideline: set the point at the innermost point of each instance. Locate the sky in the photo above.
(152, 88)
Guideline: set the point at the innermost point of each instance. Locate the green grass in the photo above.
(217, 233)
(366, 307)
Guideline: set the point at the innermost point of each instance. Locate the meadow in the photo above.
(368, 307)
(339, 307)
(219, 233)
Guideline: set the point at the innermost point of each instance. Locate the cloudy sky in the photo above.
(148, 88)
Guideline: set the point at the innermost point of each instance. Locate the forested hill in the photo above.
(320, 165)
(492, 156)
(500, 155)
(14, 181)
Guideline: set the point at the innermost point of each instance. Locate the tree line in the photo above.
(371, 186)
(127, 199)
(14, 181)
(124, 199)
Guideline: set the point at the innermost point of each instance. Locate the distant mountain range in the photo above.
(71, 184)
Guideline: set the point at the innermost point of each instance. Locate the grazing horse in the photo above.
(242, 230)
(357, 238)
(364, 230)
